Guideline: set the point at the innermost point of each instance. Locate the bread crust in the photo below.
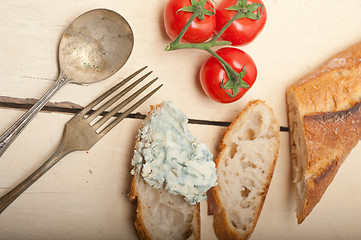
(334, 86)
(138, 223)
(328, 105)
(222, 226)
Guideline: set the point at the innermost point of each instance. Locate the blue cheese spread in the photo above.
(168, 155)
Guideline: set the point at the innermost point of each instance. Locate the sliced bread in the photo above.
(172, 172)
(162, 215)
(245, 165)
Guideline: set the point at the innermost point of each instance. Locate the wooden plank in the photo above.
(291, 45)
(85, 195)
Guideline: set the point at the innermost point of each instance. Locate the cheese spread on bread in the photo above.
(168, 155)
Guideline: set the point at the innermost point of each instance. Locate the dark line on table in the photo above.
(75, 110)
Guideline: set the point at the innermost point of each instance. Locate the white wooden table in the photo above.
(85, 195)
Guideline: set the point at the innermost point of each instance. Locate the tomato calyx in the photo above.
(199, 8)
(235, 79)
(246, 10)
(235, 83)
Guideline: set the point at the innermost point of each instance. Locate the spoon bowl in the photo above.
(94, 47)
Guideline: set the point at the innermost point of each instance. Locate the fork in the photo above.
(81, 133)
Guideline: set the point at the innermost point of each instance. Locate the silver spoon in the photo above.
(95, 46)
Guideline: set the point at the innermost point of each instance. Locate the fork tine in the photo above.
(116, 98)
(121, 105)
(128, 111)
(109, 92)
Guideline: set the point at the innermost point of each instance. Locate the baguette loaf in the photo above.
(324, 121)
(171, 174)
(245, 165)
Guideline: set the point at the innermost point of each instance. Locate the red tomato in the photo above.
(241, 31)
(212, 73)
(198, 31)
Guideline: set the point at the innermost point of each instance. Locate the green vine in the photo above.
(244, 10)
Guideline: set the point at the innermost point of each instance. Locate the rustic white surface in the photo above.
(85, 195)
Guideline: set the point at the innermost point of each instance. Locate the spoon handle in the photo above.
(10, 135)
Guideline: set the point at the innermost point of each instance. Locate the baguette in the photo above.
(245, 165)
(324, 121)
(171, 174)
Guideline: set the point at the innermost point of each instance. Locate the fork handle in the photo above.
(10, 135)
(8, 198)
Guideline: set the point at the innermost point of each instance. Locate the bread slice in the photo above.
(324, 121)
(171, 174)
(245, 165)
(161, 215)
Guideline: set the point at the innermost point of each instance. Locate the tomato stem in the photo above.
(185, 28)
(224, 28)
(202, 46)
(176, 44)
(234, 74)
